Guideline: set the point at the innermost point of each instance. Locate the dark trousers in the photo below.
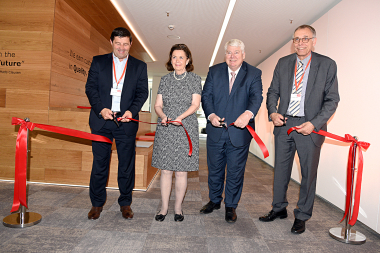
(100, 168)
(220, 154)
(308, 153)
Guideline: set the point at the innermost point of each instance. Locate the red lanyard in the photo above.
(295, 73)
(114, 72)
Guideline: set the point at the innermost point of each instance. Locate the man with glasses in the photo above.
(307, 86)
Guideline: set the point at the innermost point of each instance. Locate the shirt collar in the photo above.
(117, 60)
(304, 61)
(236, 71)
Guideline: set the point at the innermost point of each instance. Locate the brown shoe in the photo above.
(127, 212)
(95, 212)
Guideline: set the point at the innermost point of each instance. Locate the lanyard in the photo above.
(295, 74)
(114, 72)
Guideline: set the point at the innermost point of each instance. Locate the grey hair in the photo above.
(235, 43)
(307, 27)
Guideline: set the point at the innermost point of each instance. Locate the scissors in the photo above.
(115, 119)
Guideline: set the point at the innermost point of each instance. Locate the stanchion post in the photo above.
(347, 234)
(23, 218)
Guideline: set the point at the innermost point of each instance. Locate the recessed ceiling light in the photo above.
(174, 37)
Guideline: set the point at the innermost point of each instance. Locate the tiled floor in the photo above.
(65, 227)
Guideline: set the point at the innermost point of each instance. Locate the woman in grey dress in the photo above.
(178, 98)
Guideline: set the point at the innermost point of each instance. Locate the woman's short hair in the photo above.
(183, 47)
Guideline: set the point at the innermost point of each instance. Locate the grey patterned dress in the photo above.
(171, 147)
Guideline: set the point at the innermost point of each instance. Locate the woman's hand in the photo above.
(177, 123)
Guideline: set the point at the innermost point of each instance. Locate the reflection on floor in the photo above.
(65, 227)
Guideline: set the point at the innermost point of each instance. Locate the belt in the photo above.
(295, 117)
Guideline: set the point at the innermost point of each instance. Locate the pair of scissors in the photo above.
(114, 119)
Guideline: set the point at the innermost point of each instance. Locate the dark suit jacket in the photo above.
(246, 94)
(321, 98)
(99, 84)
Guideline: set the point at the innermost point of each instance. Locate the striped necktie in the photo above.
(296, 105)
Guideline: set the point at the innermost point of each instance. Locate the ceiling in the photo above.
(263, 25)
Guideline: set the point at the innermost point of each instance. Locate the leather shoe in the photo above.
(178, 217)
(298, 227)
(95, 212)
(231, 214)
(160, 217)
(126, 212)
(272, 215)
(209, 207)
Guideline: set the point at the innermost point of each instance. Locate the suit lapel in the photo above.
(109, 75)
(314, 66)
(291, 66)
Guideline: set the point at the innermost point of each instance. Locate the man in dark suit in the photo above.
(232, 93)
(307, 86)
(117, 86)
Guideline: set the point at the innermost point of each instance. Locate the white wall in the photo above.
(349, 33)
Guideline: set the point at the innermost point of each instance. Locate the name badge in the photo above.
(295, 97)
(116, 92)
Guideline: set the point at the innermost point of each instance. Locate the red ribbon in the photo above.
(84, 107)
(171, 121)
(257, 139)
(19, 196)
(350, 164)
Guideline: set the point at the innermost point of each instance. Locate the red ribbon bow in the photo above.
(351, 162)
(19, 196)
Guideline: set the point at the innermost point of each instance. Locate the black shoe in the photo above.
(230, 214)
(178, 217)
(272, 215)
(209, 207)
(298, 227)
(160, 217)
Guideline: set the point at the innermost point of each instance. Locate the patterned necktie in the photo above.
(295, 105)
(232, 80)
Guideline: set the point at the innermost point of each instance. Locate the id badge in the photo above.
(295, 97)
(116, 92)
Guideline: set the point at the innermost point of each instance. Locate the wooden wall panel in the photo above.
(27, 99)
(99, 39)
(2, 97)
(56, 159)
(65, 67)
(28, 41)
(69, 85)
(33, 79)
(59, 99)
(31, 15)
(77, 120)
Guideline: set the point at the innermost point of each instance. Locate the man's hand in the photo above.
(305, 128)
(126, 115)
(278, 119)
(215, 120)
(107, 114)
(243, 119)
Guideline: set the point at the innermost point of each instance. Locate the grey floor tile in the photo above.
(236, 245)
(158, 243)
(69, 218)
(44, 239)
(242, 228)
(111, 241)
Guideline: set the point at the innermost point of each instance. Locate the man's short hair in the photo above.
(235, 43)
(121, 32)
(308, 27)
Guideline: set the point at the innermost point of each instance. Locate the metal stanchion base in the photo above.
(14, 221)
(353, 237)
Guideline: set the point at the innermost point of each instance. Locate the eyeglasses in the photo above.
(304, 40)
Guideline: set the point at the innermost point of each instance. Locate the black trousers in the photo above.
(126, 146)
